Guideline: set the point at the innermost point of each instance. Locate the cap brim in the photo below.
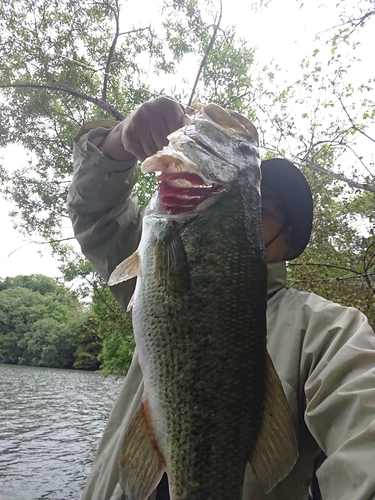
(289, 183)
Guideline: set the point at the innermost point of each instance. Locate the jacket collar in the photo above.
(276, 277)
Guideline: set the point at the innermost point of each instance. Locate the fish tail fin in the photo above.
(141, 463)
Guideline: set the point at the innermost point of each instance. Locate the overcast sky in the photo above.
(283, 31)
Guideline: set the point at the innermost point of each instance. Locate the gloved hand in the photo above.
(145, 131)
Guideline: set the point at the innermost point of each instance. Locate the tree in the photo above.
(115, 331)
(38, 328)
(48, 343)
(33, 282)
(19, 309)
(86, 356)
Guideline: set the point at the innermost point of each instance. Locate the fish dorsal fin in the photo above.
(276, 451)
(247, 124)
(126, 270)
(231, 120)
(141, 464)
(222, 118)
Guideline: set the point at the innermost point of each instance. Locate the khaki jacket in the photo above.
(323, 353)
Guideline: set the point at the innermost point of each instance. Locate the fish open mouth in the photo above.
(181, 187)
(182, 192)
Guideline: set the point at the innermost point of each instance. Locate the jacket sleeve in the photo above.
(339, 362)
(105, 215)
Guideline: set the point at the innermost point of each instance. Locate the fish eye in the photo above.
(245, 148)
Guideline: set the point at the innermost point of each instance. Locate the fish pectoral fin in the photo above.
(130, 304)
(141, 464)
(126, 270)
(171, 263)
(276, 451)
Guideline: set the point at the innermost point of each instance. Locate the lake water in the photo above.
(51, 422)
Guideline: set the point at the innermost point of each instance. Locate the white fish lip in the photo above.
(170, 161)
(183, 190)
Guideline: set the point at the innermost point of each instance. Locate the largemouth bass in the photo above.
(212, 401)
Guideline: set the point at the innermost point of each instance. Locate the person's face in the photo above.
(273, 221)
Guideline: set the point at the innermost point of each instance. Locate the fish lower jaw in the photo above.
(189, 209)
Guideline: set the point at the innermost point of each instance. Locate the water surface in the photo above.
(50, 425)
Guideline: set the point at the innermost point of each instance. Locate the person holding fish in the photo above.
(238, 385)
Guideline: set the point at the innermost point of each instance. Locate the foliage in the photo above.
(48, 343)
(114, 330)
(89, 344)
(43, 324)
(38, 322)
(334, 264)
(35, 283)
(117, 351)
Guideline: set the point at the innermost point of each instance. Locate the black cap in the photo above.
(294, 191)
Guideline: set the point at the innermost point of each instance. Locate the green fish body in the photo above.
(199, 318)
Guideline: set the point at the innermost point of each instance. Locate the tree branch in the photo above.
(39, 243)
(55, 129)
(365, 275)
(360, 20)
(369, 259)
(111, 50)
(338, 278)
(294, 264)
(136, 31)
(352, 22)
(30, 86)
(340, 177)
(113, 45)
(209, 48)
(359, 159)
(351, 120)
(62, 87)
(81, 95)
(100, 292)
